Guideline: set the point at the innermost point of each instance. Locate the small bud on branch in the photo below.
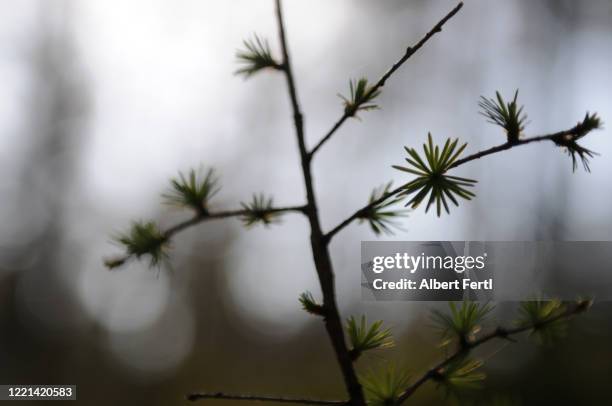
(260, 210)
(143, 238)
(432, 178)
(193, 190)
(257, 56)
(379, 215)
(361, 97)
(507, 115)
(364, 338)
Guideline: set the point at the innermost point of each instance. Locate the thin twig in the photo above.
(226, 396)
(499, 332)
(170, 232)
(381, 82)
(200, 218)
(508, 145)
(477, 155)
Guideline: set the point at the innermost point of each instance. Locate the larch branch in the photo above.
(383, 79)
(498, 148)
(200, 218)
(501, 333)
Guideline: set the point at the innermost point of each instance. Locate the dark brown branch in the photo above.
(381, 82)
(498, 148)
(255, 398)
(320, 252)
(499, 332)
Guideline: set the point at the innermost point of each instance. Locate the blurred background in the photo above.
(103, 102)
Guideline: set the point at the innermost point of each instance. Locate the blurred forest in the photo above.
(102, 104)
